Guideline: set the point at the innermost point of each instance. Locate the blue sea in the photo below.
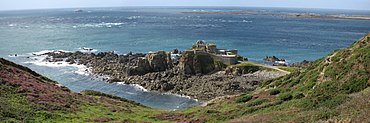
(126, 29)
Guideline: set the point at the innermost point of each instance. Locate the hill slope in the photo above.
(334, 88)
(26, 96)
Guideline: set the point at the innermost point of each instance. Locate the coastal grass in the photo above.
(248, 67)
(101, 113)
(14, 107)
(103, 107)
(288, 68)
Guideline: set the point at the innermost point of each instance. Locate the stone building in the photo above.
(226, 56)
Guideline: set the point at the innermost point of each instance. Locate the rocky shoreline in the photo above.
(195, 75)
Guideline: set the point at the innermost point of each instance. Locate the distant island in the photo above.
(287, 14)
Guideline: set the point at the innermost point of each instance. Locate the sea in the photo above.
(144, 29)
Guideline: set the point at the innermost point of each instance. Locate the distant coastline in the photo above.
(287, 14)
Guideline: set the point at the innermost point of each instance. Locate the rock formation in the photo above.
(197, 74)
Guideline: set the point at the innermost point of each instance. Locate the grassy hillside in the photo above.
(334, 88)
(26, 96)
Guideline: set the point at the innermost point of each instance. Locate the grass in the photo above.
(243, 98)
(274, 91)
(285, 96)
(247, 67)
(287, 68)
(14, 107)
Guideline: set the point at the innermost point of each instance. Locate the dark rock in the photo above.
(175, 51)
(303, 63)
(157, 61)
(272, 59)
(196, 63)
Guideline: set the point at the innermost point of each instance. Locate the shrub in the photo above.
(297, 95)
(243, 98)
(257, 102)
(334, 101)
(212, 111)
(306, 103)
(355, 85)
(220, 64)
(285, 96)
(324, 114)
(274, 91)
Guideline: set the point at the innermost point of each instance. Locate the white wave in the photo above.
(42, 52)
(12, 25)
(185, 96)
(136, 86)
(97, 25)
(83, 70)
(133, 17)
(130, 93)
(41, 60)
(83, 49)
(246, 21)
(16, 55)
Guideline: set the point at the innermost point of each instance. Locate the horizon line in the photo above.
(180, 6)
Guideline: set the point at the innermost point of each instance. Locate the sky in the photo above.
(42, 4)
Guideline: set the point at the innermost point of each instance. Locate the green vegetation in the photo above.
(257, 102)
(219, 64)
(285, 96)
(274, 91)
(237, 55)
(247, 67)
(287, 68)
(297, 95)
(243, 98)
(14, 107)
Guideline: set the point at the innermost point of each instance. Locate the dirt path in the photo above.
(327, 61)
(273, 67)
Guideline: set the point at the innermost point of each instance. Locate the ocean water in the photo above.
(149, 29)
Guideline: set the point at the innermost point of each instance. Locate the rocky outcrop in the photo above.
(196, 63)
(197, 75)
(159, 61)
(273, 59)
(303, 63)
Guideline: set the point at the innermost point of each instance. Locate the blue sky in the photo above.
(329, 4)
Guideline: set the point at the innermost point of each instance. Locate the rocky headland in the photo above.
(191, 73)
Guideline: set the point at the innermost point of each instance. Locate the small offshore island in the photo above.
(202, 72)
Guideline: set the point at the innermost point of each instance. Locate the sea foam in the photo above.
(39, 59)
(136, 86)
